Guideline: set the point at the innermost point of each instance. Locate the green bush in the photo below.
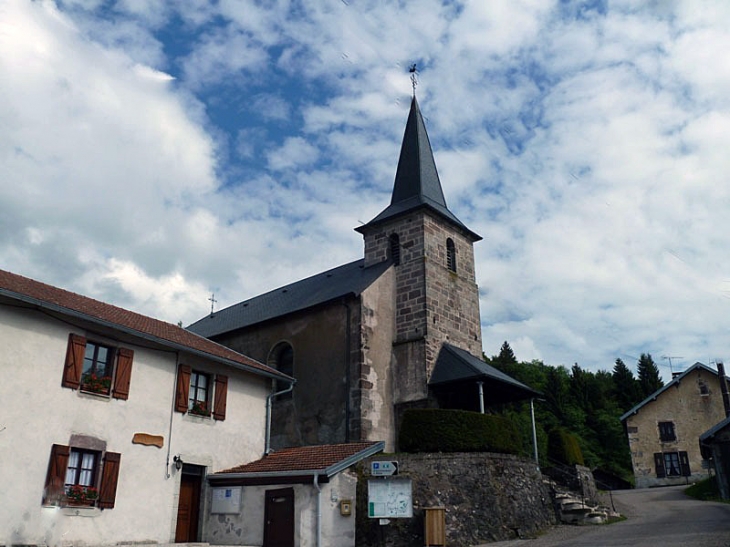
(563, 448)
(437, 430)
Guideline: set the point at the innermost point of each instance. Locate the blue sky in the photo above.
(154, 152)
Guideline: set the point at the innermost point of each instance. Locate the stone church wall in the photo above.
(316, 413)
(487, 497)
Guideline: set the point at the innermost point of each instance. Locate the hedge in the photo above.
(563, 447)
(439, 430)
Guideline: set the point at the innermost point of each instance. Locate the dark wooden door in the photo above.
(188, 509)
(279, 518)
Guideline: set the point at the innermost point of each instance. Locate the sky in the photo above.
(153, 153)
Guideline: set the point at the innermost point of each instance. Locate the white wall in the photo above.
(38, 412)
(247, 527)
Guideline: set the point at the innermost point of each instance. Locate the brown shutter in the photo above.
(659, 464)
(684, 464)
(123, 374)
(74, 361)
(109, 478)
(221, 394)
(54, 490)
(183, 388)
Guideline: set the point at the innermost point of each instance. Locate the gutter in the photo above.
(139, 334)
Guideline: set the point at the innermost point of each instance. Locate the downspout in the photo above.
(534, 431)
(348, 342)
(319, 510)
(172, 415)
(267, 441)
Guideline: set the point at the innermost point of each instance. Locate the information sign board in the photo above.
(390, 498)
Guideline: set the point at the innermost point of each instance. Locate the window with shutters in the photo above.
(666, 432)
(81, 477)
(200, 393)
(97, 368)
(672, 464)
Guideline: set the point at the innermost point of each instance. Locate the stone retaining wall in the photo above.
(487, 497)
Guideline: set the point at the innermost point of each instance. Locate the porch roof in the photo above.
(298, 465)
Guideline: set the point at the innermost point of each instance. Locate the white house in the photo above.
(111, 420)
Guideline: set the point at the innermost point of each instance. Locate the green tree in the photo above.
(625, 388)
(506, 357)
(648, 372)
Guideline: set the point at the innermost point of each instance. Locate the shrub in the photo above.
(563, 448)
(437, 430)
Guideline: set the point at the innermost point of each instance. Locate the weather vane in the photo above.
(414, 77)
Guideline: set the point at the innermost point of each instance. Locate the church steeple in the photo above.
(417, 183)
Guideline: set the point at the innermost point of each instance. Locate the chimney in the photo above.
(723, 388)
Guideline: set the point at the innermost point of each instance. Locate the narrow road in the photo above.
(656, 517)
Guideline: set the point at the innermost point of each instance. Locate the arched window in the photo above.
(394, 248)
(281, 357)
(450, 255)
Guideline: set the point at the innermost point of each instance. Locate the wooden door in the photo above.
(279, 518)
(188, 508)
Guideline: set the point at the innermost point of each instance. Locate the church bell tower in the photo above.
(436, 296)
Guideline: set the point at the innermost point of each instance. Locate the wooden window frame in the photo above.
(217, 387)
(120, 361)
(667, 432)
(105, 480)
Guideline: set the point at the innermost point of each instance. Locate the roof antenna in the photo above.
(212, 303)
(414, 78)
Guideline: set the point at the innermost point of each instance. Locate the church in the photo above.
(397, 329)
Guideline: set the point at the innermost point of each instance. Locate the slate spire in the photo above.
(417, 183)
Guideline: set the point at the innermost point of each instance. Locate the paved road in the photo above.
(656, 517)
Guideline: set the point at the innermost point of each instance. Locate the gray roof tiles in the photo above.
(348, 279)
(417, 183)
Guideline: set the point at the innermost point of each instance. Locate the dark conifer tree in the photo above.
(648, 372)
(625, 386)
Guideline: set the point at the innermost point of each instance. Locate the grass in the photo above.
(705, 490)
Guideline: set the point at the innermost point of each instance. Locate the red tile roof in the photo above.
(34, 292)
(305, 458)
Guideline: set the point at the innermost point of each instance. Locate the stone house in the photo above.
(396, 329)
(663, 430)
(111, 420)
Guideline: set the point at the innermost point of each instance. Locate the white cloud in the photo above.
(586, 145)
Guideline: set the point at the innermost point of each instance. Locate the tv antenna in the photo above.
(669, 358)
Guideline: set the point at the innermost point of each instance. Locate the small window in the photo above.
(666, 432)
(81, 477)
(196, 390)
(671, 464)
(97, 368)
(704, 389)
(450, 255)
(96, 376)
(394, 241)
(198, 401)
